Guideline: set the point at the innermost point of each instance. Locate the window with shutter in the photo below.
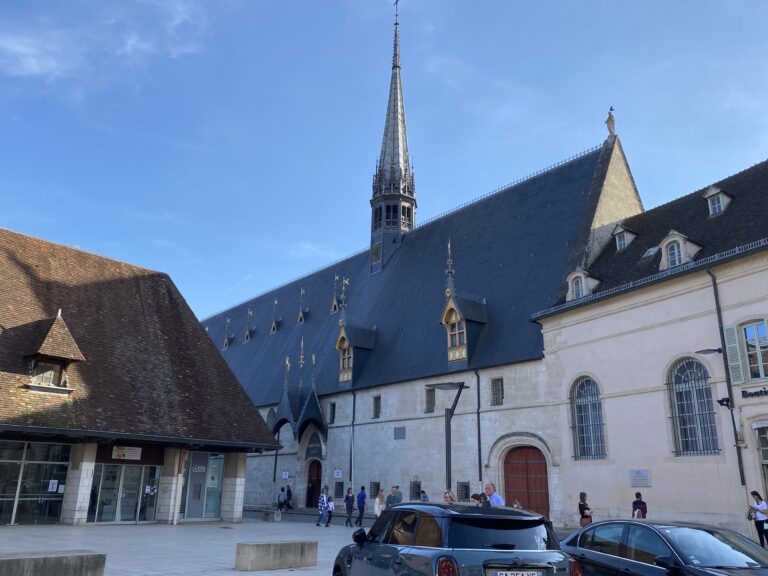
(733, 354)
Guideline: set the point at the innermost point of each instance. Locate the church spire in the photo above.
(393, 201)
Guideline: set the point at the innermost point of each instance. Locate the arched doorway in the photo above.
(314, 477)
(525, 479)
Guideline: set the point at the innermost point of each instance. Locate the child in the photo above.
(331, 508)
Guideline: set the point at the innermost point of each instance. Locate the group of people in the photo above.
(284, 498)
(639, 508)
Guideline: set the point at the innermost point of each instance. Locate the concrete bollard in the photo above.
(275, 555)
(65, 563)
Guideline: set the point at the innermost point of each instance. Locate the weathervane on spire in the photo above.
(610, 122)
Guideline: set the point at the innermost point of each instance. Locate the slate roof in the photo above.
(147, 369)
(510, 248)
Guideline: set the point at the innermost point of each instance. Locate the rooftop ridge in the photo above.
(77, 249)
(425, 223)
(512, 184)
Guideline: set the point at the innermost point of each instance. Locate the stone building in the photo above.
(528, 326)
(116, 406)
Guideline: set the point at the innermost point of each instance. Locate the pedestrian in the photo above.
(378, 503)
(639, 507)
(288, 496)
(477, 499)
(361, 499)
(331, 508)
(759, 510)
(424, 497)
(399, 494)
(448, 497)
(349, 502)
(281, 499)
(494, 498)
(322, 506)
(585, 512)
(392, 498)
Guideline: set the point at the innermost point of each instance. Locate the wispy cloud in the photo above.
(174, 248)
(116, 38)
(237, 285)
(304, 249)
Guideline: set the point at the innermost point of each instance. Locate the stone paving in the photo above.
(188, 549)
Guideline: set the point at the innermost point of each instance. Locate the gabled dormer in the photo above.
(276, 319)
(580, 284)
(301, 317)
(717, 201)
(623, 237)
(676, 249)
(51, 352)
(354, 344)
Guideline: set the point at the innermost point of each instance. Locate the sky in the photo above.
(232, 143)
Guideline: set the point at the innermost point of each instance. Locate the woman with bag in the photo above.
(585, 512)
(759, 512)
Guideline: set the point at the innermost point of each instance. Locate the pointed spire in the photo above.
(287, 373)
(396, 49)
(449, 272)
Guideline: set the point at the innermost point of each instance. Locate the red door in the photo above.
(525, 479)
(314, 476)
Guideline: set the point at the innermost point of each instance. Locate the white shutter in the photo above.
(733, 354)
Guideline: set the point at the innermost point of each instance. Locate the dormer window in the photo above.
(674, 255)
(457, 336)
(621, 241)
(48, 374)
(577, 287)
(345, 362)
(717, 200)
(623, 237)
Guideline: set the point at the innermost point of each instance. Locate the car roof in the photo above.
(657, 524)
(462, 509)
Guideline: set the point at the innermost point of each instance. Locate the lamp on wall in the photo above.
(725, 402)
(710, 351)
(448, 415)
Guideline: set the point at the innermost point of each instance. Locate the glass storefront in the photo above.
(123, 493)
(201, 492)
(32, 482)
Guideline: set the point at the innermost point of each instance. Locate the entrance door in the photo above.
(525, 479)
(197, 480)
(314, 476)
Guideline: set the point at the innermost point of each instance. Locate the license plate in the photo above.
(516, 573)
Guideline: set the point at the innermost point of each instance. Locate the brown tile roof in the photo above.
(150, 370)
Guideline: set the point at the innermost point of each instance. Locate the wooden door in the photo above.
(314, 476)
(525, 479)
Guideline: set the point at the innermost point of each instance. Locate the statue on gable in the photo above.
(610, 122)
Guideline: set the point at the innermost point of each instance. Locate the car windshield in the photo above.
(711, 548)
(501, 534)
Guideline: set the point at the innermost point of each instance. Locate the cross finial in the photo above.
(449, 271)
(301, 353)
(287, 371)
(610, 122)
(344, 286)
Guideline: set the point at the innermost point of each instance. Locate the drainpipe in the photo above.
(352, 444)
(274, 469)
(479, 445)
(728, 383)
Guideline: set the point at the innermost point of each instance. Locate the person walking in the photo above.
(378, 503)
(399, 494)
(281, 499)
(585, 512)
(288, 496)
(639, 507)
(331, 508)
(322, 506)
(392, 498)
(349, 502)
(361, 499)
(494, 498)
(759, 510)
(424, 497)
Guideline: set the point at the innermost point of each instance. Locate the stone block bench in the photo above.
(275, 555)
(64, 563)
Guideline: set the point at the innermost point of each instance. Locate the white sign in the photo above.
(126, 453)
(640, 477)
(53, 485)
(285, 474)
(337, 473)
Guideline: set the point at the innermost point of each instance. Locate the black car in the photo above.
(454, 540)
(643, 548)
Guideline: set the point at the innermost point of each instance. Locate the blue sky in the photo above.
(232, 144)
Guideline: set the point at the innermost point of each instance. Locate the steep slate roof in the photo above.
(745, 220)
(511, 248)
(148, 371)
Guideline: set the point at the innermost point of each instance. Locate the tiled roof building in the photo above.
(98, 352)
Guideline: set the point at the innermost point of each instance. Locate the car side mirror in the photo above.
(359, 537)
(669, 563)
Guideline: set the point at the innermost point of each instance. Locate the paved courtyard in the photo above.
(185, 549)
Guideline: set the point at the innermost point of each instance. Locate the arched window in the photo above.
(674, 256)
(577, 287)
(693, 411)
(588, 439)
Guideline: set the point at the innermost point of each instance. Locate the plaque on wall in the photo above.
(126, 453)
(337, 473)
(640, 477)
(285, 474)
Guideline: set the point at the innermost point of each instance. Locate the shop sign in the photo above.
(126, 453)
(640, 477)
